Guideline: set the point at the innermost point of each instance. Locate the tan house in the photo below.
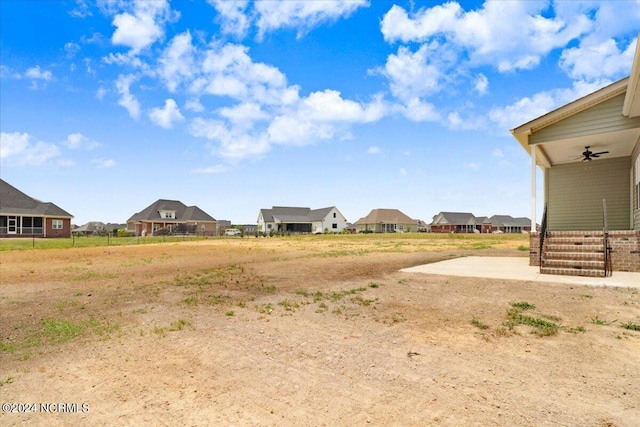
(171, 217)
(386, 221)
(24, 216)
(589, 153)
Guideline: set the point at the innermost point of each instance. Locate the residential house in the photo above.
(301, 220)
(483, 224)
(589, 153)
(90, 228)
(508, 224)
(249, 228)
(465, 222)
(454, 222)
(96, 228)
(171, 217)
(386, 221)
(24, 216)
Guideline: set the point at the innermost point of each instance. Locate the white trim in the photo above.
(534, 185)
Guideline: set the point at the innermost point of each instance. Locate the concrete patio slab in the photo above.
(513, 268)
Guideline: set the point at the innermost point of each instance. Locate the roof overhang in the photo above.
(631, 107)
(618, 143)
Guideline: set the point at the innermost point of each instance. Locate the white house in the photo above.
(286, 219)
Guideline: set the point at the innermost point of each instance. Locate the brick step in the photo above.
(584, 256)
(573, 264)
(575, 234)
(563, 247)
(572, 272)
(573, 241)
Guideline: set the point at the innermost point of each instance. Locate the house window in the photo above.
(269, 226)
(334, 226)
(334, 214)
(56, 224)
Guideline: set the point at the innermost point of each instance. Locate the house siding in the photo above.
(601, 118)
(64, 232)
(576, 191)
(635, 196)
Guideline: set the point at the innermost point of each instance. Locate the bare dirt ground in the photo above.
(304, 332)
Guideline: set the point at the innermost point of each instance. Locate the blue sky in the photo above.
(235, 106)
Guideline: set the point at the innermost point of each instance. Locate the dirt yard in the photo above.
(307, 332)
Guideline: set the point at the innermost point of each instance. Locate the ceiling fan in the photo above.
(589, 155)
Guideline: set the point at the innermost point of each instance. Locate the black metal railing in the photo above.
(543, 234)
(608, 270)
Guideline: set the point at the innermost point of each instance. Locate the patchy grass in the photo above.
(478, 324)
(52, 331)
(597, 321)
(6, 380)
(523, 305)
(541, 327)
(631, 326)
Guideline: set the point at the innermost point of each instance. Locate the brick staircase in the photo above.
(574, 253)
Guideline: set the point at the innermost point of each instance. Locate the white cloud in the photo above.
(507, 35)
(302, 14)
(127, 100)
(321, 116)
(229, 71)
(38, 75)
(232, 144)
(232, 18)
(143, 25)
(81, 10)
(597, 61)
(403, 172)
(374, 150)
(471, 165)
(23, 150)
(482, 84)
(100, 93)
(244, 114)
(104, 163)
(212, 169)
(414, 74)
(329, 105)
(194, 105)
(497, 153)
(129, 59)
(167, 116)
(293, 130)
(72, 49)
(420, 111)
(77, 140)
(177, 61)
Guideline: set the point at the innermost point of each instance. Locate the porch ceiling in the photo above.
(618, 144)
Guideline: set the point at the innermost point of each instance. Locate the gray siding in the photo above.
(576, 190)
(601, 118)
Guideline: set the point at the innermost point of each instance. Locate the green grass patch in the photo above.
(478, 324)
(545, 325)
(597, 321)
(6, 380)
(57, 331)
(523, 305)
(631, 326)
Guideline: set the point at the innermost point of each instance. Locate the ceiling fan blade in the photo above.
(598, 154)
